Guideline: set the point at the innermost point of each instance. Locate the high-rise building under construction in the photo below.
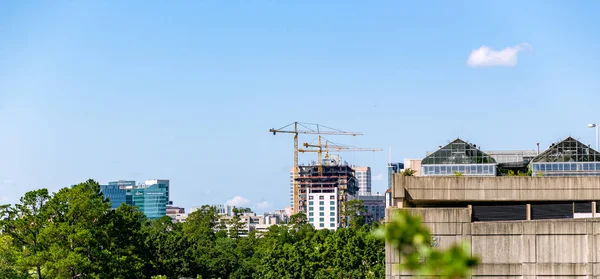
(323, 190)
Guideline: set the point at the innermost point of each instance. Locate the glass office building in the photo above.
(115, 194)
(393, 168)
(151, 200)
(569, 157)
(458, 157)
(118, 192)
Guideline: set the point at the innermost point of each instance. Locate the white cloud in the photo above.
(378, 177)
(238, 201)
(487, 57)
(263, 205)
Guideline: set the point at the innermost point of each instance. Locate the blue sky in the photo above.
(187, 91)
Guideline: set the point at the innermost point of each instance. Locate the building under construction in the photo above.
(323, 190)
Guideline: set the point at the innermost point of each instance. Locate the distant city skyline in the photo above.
(129, 90)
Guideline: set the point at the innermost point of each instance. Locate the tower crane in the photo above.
(327, 147)
(292, 128)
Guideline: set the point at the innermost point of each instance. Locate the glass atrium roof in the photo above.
(458, 152)
(568, 150)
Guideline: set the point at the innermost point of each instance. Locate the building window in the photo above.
(331, 219)
(321, 203)
(332, 197)
(311, 219)
(331, 213)
(321, 213)
(321, 208)
(332, 202)
(321, 197)
(310, 214)
(332, 208)
(310, 203)
(332, 225)
(322, 225)
(321, 219)
(310, 197)
(310, 209)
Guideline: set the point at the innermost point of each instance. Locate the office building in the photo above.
(224, 209)
(393, 168)
(118, 192)
(124, 183)
(283, 214)
(374, 207)
(265, 222)
(115, 194)
(176, 213)
(542, 225)
(151, 199)
(181, 218)
(249, 220)
(363, 178)
(165, 184)
(146, 197)
(172, 210)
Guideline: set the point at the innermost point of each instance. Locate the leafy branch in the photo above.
(412, 241)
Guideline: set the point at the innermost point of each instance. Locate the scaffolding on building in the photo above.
(338, 179)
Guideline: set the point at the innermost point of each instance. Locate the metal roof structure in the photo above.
(458, 152)
(568, 150)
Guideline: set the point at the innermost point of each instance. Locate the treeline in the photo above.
(75, 234)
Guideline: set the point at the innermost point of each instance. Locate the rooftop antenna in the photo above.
(390, 156)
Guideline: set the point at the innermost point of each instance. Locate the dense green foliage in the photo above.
(409, 172)
(74, 234)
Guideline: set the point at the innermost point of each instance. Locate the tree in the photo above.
(409, 172)
(76, 233)
(245, 251)
(298, 220)
(201, 223)
(25, 224)
(8, 259)
(353, 213)
(168, 248)
(235, 223)
(126, 255)
(199, 232)
(221, 228)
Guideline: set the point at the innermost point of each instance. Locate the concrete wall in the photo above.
(565, 248)
(505, 188)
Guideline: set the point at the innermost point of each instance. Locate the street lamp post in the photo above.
(595, 126)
